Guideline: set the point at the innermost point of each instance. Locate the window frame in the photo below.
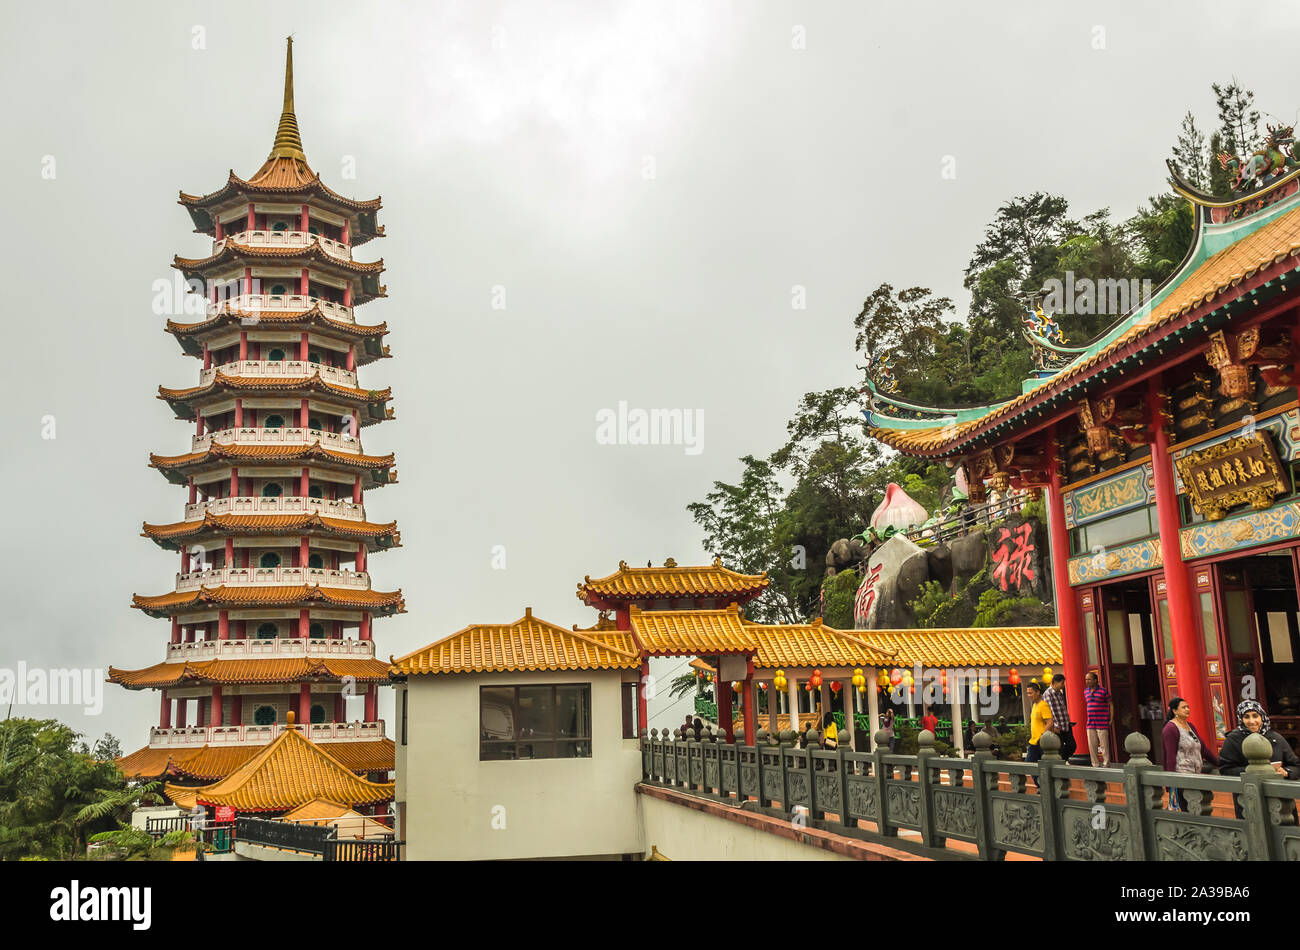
(509, 750)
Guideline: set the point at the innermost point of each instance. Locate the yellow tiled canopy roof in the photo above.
(969, 646)
(289, 771)
(529, 643)
(271, 596)
(318, 809)
(629, 583)
(812, 644)
(210, 763)
(678, 632)
(268, 670)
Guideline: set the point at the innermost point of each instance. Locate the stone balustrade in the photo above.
(290, 435)
(1074, 813)
(265, 238)
(272, 577)
(253, 304)
(269, 647)
(195, 736)
(280, 369)
(276, 505)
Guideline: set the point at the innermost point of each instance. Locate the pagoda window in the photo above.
(269, 559)
(317, 562)
(314, 492)
(272, 490)
(279, 289)
(279, 226)
(313, 356)
(276, 354)
(274, 422)
(264, 716)
(317, 631)
(317, 713)
(313, 422)
(312, 229)
(267, 631)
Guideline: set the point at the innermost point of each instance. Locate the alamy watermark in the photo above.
(1088, 296)
(52, 687)
(624, 426)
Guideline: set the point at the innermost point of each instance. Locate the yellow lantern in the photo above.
(1047, 674)
(779, 680)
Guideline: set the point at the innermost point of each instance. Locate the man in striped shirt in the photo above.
(1098, 702)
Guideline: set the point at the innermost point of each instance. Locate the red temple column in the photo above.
(237, 710)
(750, 719)
(223, 624)
(641, 716)
(304, 622)
(361, 556)
(207, 357)
(181, 708)
(352, 358)
(251, 223)
(248, 278)
(176, 629)
(356, 490)
(304, 222)
(1067, 608)
(216, 705)
(230, 552)
(239, 413)
(364, 633)
(165, 713)
(1189, 654)
(723, 695)
(340, 709)
(243, 345)
(304, 482)
(234, 482)
(194, 490)
(302, 415)
(304, 551)
(346, 236)
(302, 340)
(347, 294)
(304, 705)
(372, 703)
(185, 560)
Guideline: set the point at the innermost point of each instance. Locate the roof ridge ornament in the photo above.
(287, 143)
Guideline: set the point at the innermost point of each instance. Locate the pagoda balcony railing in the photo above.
(271, 647)
(970, 517)
(285, 239)
(255, 303)
(191, 737)
(280, 369)
(272, 577)
(278, 505)
(293, 435)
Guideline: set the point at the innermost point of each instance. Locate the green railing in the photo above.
(1076, 813)
(706, 709)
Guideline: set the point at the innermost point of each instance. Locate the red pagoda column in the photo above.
(723, 695)
(304, 705)
(372, 703)
(1189, 656)
(165, 713)
(748, 700)
(1067, 608)
(215, 704)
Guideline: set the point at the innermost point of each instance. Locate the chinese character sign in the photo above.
(1014, 559)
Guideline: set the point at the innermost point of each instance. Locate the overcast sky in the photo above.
(647, 181)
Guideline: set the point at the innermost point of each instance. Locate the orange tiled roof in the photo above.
(630, 583)
(280, 176)
(1273, 242)
(313, 251)
(304, 383)
(669, 632)
(209, 763)
(969, 646)
(812, 644)
(267, 670)
(289, 771)
(264, 524)
(217, 452)
(279, 596)
(318, 809)
(312, 316)
(529, 643)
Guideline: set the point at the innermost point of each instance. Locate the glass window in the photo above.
(264, 716)
(274, 422)
(267, 631)
(1137, 639)
(315, 560)
(279, 290)
(316, 631)
(317, 713)
(313, 356)
(279, 226)
(269, 559)
(1238, 619)
(314, 422)
(272, 490)
(1090, 635)
(1208, 625)
(535, 722)
(277, 354)
(315, 491)
(1117, 633)
(1166, 632)
(1117, 529)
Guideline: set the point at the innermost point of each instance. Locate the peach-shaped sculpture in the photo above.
(898, 511)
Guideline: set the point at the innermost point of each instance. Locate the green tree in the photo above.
(1190, 155)
(1238, 117)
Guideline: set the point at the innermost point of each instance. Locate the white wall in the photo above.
(684, 834)
(550, 807)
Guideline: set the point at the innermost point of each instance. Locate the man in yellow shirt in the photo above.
(1040, 721)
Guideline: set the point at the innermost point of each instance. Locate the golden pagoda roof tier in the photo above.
(256, 671)
(289, 771)
(813, 644)
(209, 763)
(1208, 285)
(382, 603)
(190, 335)
(318, 810)
(177, 468)
(528, 644)
(645, 583)
(181, 400)
(313, 252)
(968, 646)
(171, 536)
(691, 632)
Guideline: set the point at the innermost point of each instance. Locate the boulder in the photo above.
(968, 554)
(841, 553)
(877, 604)
(940, 565)
(857, 549)
(912, 575)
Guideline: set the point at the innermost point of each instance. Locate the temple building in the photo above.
(273, 606)
(1167, 448)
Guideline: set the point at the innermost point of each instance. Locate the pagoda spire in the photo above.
(287, 143)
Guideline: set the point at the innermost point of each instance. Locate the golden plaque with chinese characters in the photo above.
(1242, 469)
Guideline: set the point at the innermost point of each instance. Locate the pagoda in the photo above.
(271, 614)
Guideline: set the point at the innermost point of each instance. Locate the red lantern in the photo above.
(997, 687)
(895, 676)
(816, 678)
(763, 687)
(943, 677)
(1014, 677)
(835, 686)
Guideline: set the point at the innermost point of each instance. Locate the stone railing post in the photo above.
(984, 780)
(1051, 790)
(926, 777)
(1253, 806)
(647, 754)
(1139, 799)
(814, 743)
(879, 773)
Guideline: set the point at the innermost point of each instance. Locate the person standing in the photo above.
(1184, 749)
(930, 721)
(887, 726)
(1054, 696)
(1097, 702)
(1040, 721)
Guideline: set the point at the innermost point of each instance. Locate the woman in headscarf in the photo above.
(1251, 717)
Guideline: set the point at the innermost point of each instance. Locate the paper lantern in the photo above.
(862, 689)
(896, 676)
(816, 678)
(779, 680)
(997, 687)
(835, 686)
(1047, 674)
(1014, 677)
(763, 687)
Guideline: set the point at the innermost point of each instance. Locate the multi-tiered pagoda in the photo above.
(273, 605)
